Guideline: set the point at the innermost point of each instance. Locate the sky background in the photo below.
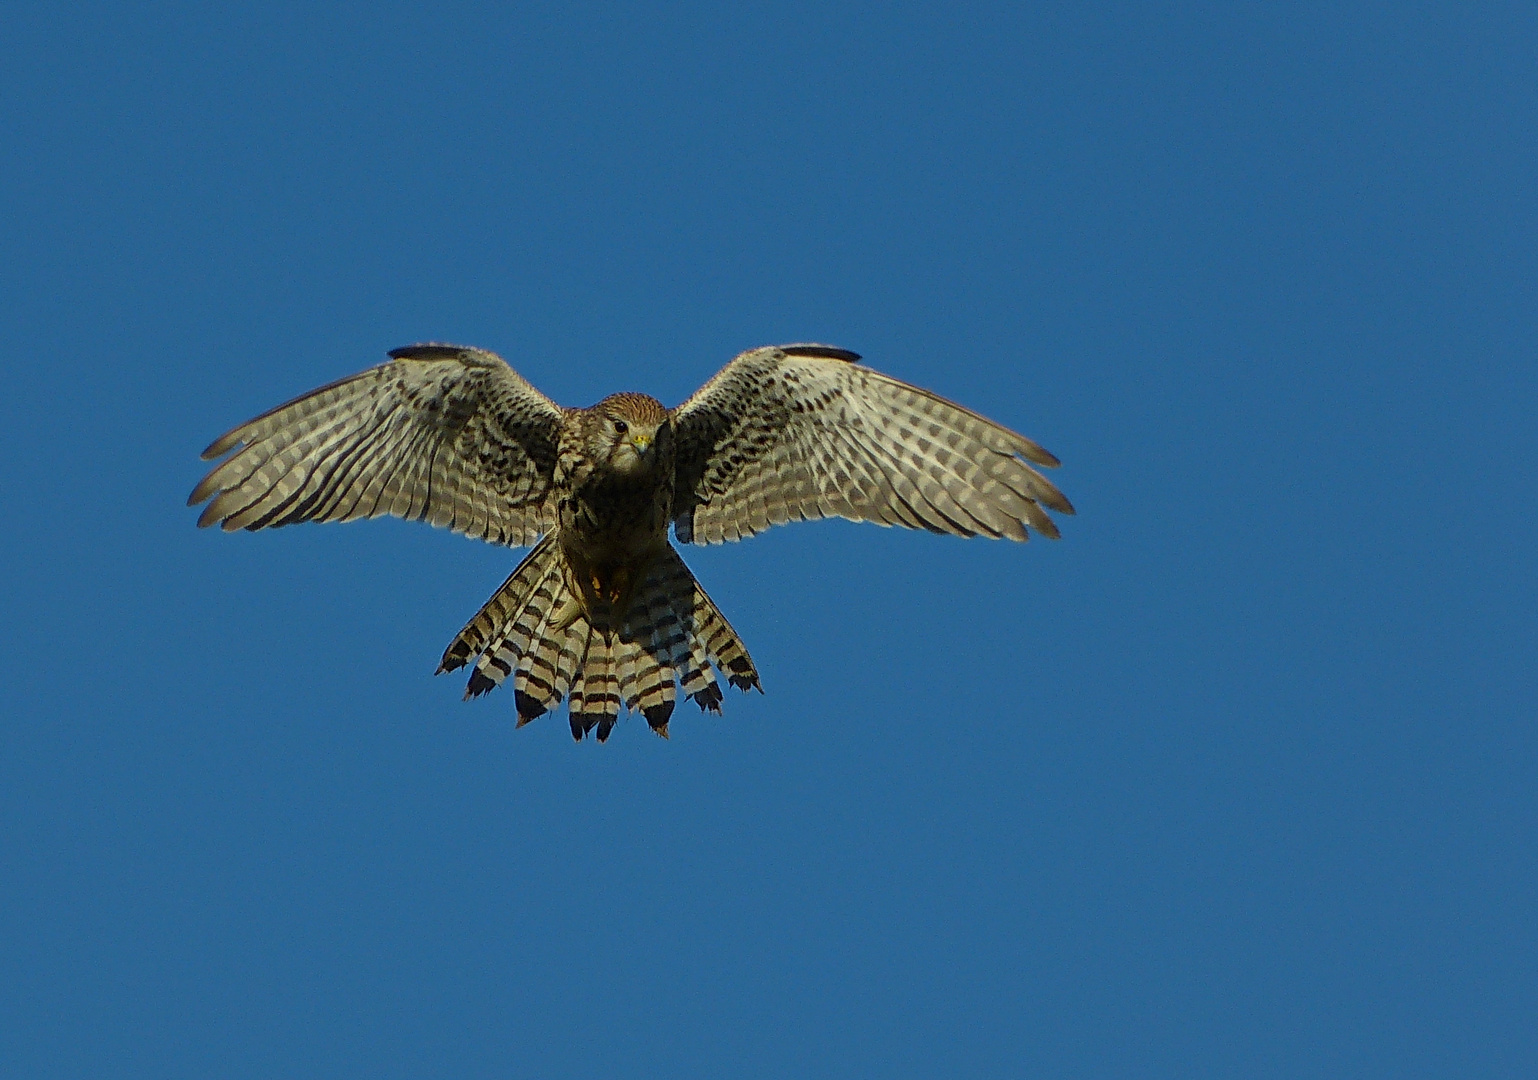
(1239, 779)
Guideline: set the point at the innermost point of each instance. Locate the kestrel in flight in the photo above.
(603, 611)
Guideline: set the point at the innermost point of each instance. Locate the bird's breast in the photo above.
(616, 519)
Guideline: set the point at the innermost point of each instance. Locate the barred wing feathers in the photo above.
(442, 433)
(798, 432)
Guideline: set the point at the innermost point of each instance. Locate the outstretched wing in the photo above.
(801, 431)
(442, 433)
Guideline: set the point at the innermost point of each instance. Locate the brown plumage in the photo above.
(603, 612)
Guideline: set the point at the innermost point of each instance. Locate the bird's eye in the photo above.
(621, 427)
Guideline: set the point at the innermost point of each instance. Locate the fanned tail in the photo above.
(537, 629)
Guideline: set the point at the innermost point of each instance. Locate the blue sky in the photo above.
(1238, 779)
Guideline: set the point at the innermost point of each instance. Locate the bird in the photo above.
(602, 611)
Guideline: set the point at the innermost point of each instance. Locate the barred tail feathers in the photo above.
(536, 630)
(498, 612)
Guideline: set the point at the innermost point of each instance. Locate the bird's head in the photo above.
(633, 431)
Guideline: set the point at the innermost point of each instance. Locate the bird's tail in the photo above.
(538, 628)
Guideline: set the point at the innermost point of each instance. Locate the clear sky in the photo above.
(1239, 779)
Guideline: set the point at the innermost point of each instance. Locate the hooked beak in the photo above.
(641, 441)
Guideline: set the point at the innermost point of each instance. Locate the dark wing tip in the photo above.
(1054, 499)
(222, 445)
(825, 352)
(428, 350)
(211, 516)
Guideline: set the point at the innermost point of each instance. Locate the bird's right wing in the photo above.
(443, 433)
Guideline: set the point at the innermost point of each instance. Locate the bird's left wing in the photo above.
(790, 432)
(442, 433)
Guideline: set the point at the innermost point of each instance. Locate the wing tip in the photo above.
(435, 350)
(1056, 500)
(425, 350)
(221, 446)
(210, 516)
(821, 352)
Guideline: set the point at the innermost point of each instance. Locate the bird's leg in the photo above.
(568, 613)
(597, 592)
(603, 592)
(623, 583)
(611, 591)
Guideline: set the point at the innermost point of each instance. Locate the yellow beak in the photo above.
(640, 441)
